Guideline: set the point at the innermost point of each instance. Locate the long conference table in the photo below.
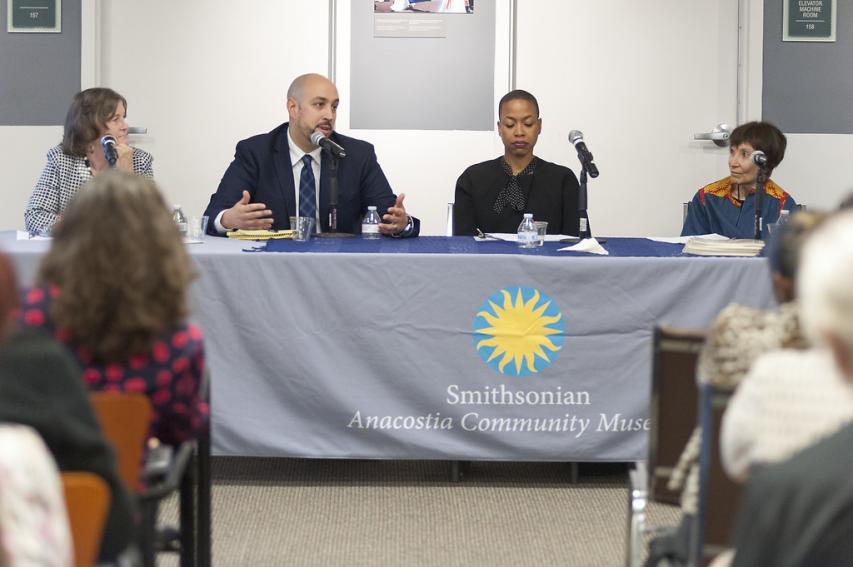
(440, 348)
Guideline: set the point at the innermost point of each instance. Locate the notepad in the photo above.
(259, 234)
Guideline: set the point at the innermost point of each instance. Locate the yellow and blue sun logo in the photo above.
(519, 331)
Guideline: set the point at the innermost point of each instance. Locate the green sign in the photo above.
(809, 20)
(34, 15)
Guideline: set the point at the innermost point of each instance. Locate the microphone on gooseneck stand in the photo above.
(335, 151)
(759, 158)
(588, 167)
(110, 147)
(318, 139)
(584, 155)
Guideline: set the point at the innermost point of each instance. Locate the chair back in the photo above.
(87, 499)
(673, 404)
(125, 419)
(718, 494)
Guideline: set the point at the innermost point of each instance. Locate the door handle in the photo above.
(719, 135)
(137, 130)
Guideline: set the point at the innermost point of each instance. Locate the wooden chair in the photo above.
(673, 414)
(718, 494)
(125, 419)
(87, 499)
(673, 408)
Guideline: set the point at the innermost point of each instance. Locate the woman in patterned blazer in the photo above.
(93, 113)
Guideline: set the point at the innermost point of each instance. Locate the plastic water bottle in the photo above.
(180, 219)
(370, 224)
(776, 227)
(527, 235)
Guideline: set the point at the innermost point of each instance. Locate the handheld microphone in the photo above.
(319, 139)
(584, 155)
(110, 147)
(759, 158)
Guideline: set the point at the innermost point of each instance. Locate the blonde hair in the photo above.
(120, 265)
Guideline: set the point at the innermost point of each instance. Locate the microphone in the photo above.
(584, 155)
(110, 146)
(319, 139)
(759, 158)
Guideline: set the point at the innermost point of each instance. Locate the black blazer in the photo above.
(551, 195)
(799, 513)
(262, 167)
(42, 386)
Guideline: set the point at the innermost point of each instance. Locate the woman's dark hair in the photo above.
(519, 94)
(120, 266)
(87, 117)
(762, 136)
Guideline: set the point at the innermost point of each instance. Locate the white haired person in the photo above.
(800, 511)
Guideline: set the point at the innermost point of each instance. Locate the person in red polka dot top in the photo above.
(113, 289)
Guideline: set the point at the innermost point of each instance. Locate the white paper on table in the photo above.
(590, 245)
(684, 239)
(513, 237)
(24, 235)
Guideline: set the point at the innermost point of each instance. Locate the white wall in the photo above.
(199, 88)
(23, 151)
(815, 169)
(224, 78)
(202, 75)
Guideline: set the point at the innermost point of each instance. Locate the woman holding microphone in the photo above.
(95, 123)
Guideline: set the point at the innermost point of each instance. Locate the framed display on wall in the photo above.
(34, 16)
(809, 20)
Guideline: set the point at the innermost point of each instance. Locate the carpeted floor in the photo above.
(270, 512)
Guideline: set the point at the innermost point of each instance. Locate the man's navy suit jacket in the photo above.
(262, 167)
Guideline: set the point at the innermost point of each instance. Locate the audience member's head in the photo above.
(784, 251)
(8, 295)
(120, 267)
(825, 289)
(761, 136)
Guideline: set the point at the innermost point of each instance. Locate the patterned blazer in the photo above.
(60, 179)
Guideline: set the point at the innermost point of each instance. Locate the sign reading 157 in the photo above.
(34, 14)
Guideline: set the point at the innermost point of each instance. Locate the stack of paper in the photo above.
(259, 234)
(713, 247)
